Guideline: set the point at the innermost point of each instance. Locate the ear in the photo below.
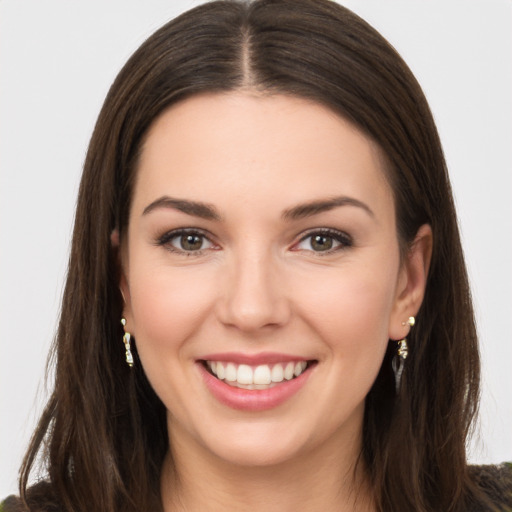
(122, 262)
(411, 283)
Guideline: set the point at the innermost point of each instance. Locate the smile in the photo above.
(263, 376)
(254, 383)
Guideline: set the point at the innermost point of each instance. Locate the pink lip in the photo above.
(253, 359)
(253, 399)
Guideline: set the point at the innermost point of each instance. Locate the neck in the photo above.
(326, 479)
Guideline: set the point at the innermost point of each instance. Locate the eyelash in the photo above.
(344, 241)
(166, 239)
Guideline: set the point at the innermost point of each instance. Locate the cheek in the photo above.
(167, 306)
(351, 314)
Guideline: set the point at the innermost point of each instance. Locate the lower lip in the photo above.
(253, 399)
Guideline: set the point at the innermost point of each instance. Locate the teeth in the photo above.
(230, 372)
(220, 371)
(244, 374)
(257, 377)
(299, 368)
(262, 375)
(288, 371)
(277, 373)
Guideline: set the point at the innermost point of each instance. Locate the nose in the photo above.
(253, 294)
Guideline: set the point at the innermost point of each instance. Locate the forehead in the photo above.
(213, 146)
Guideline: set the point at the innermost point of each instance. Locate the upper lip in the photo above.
(253, 359)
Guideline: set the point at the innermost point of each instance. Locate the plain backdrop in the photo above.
(57, 60)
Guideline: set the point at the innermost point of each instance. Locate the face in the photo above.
(261, 274)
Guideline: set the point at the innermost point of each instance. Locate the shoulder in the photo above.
(12, 504)
(495, 481)
(40, 498)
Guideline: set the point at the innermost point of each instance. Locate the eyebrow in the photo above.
(209, 212)
(195, 208)
(323, 205)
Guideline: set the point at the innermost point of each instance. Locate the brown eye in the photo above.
(191, 242)
(186, 242)
(324, 241)
(321, 242)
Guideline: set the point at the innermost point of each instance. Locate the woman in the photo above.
(264, 211)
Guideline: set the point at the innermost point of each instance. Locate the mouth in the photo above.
(255, 382)
(256, 377)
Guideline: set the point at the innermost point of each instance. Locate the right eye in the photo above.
(186, 241)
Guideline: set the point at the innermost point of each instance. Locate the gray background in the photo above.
(57, 60)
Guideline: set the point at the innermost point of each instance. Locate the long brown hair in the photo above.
(103, 433)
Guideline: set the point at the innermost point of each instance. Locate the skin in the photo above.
(259, 285)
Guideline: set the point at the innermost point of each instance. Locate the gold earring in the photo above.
(402, 352)
(410, 322)
(126, 341)
(403, 349)
(398, 362)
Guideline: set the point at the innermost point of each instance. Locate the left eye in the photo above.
(323, 242)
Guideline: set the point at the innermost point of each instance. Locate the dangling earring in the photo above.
(402, 352)
(126, 341)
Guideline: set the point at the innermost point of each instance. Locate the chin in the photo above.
(263, 453)
(250, 443)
